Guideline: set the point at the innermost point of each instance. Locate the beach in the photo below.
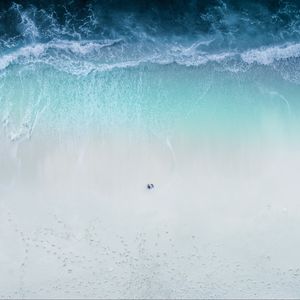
(149, 150)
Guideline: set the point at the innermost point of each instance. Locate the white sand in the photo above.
(77, 220)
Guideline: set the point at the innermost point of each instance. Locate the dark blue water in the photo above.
(164, 30)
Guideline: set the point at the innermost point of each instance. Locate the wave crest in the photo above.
(83, 57)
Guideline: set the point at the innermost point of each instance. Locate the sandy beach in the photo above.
(80, 208)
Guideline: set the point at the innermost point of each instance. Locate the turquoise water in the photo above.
(149, 97)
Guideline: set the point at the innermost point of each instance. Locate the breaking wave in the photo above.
(83, 57)
(80, 38)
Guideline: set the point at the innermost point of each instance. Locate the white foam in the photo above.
(81, 47)
(83, 57)
(27, 26)
(268, 55)
(27, 52)
(38, 52)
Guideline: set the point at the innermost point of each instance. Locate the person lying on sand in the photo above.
(150, 186)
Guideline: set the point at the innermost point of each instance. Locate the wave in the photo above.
(94, 36)
(267, 55)
(83, 57)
